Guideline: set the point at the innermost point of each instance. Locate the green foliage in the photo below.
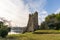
(3, 33)
(44, 26)
(52, 21)
(4, 29)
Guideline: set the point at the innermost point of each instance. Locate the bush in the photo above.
(4, 29)
(3, 33)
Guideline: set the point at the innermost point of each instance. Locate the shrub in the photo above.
(3, 33)
(4, 29)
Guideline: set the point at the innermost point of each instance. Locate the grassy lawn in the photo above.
(47, 32)
(32, 36)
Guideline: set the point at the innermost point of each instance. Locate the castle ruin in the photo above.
(32, 22)
(31, 26)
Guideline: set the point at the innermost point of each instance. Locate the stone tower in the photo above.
(32, 22)
(35, 20)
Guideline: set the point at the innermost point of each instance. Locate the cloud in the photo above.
(42, 16)
(57, 11)
(18, 10)
(37, 5)
(14, 10)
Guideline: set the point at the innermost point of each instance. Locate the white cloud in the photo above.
(38, 5)
(42, 16)
(17, 11)
(14, 10)
(57, 11)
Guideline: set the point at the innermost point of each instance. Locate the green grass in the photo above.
(32, 36)
(47, 32)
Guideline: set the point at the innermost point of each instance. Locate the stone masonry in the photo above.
(32, 22)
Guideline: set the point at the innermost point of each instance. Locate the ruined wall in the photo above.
(35, 20)
(32, 22)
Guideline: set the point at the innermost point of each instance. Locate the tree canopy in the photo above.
(52, 21)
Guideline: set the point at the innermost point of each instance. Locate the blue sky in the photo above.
(52, 5)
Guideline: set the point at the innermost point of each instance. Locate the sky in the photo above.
(52, 6)
(17, 11)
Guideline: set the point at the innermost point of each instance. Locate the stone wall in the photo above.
(32, 22)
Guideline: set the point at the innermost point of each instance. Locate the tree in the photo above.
(53, 21)
(4, 29)
(44, 26)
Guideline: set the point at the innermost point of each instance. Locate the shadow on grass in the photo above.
(46, 33)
